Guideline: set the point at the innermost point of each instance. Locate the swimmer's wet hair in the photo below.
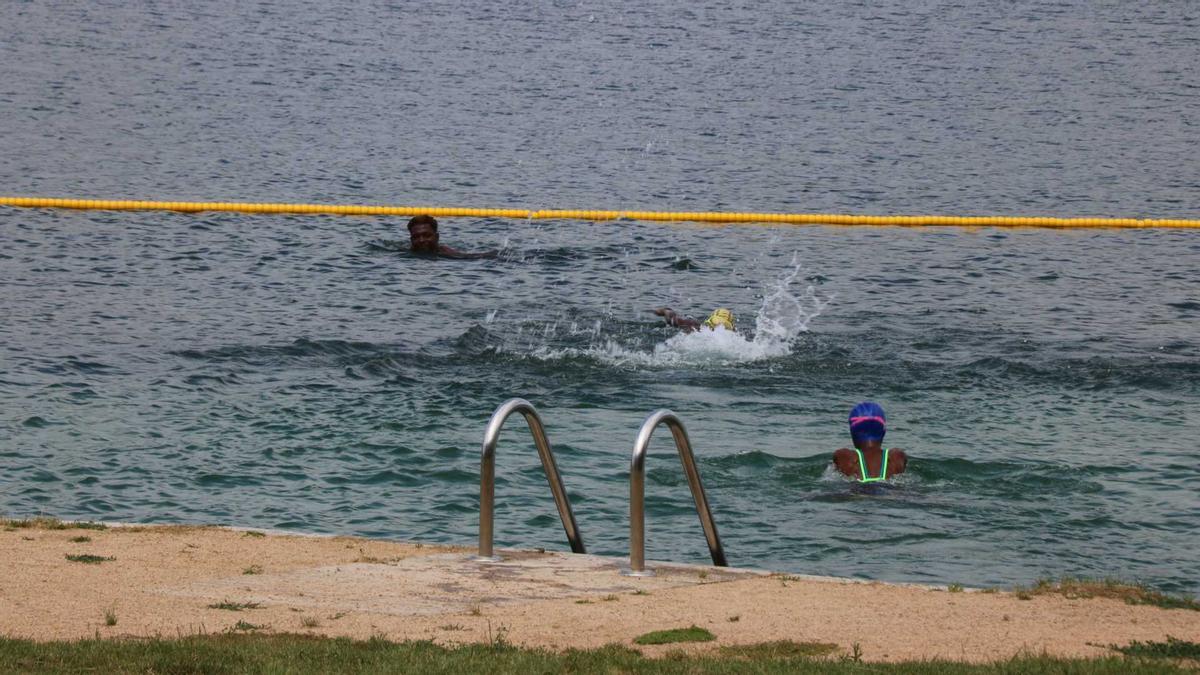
(423, 220)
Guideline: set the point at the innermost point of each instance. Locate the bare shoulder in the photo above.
(846, 461)
(898, 458)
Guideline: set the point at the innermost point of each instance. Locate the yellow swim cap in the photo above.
(720, 317)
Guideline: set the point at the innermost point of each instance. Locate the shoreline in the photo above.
(117, 580)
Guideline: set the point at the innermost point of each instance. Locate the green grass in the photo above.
(80, 540)
(663, 637)
(88, 558)
(44, 523)
(1131, 593)
(234, 606)
(780, 649)
(253, 569)
(1173, 648)
(258, 653)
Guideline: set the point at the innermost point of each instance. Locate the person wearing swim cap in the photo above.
(423, 239)
(869, 461)
(720, 318)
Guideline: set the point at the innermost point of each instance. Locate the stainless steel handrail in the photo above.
(637, 493)
(487, 476)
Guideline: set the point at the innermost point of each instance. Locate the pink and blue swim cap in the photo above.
(868, 422)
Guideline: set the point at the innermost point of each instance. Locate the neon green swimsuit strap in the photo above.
(862, 467)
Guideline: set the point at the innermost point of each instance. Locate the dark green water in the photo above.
(303, 374)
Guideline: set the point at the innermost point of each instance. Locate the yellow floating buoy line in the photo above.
(579, 214)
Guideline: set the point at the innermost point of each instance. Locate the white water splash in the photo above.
(785, 313)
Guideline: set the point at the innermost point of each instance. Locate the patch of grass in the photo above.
(246, 651)
(1130, 593)
(310, 622)
(234, 606)
(779, 650)
(735, 618)
(44, 523)
(254, 535)
(1173, 648)
(584, 601)
(703, 574)
(476, 610)
(955, 588)
(452, 626)
(610, 598)
(80, 540)
(88, 558)
(641, 592)
(253, 569)
(246, 626)
(662, 637)
(1023, 595)
(110, 617)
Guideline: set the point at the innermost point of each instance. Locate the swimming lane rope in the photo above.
(573, 214)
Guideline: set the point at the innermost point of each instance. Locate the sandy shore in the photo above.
(165, 581)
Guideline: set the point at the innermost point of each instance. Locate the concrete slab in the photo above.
(444, 583)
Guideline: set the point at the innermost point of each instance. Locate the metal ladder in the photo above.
(637, 483)
(487, 477)
(637, 492)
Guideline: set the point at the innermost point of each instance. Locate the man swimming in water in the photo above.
(720, 317)
(869, 461)
(423, 238)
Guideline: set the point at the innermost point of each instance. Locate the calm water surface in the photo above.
(303, 373)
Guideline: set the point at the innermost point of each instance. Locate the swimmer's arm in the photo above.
(675, 320)
(846, 461)
(447, 252)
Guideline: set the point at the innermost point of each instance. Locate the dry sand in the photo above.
(162, 581)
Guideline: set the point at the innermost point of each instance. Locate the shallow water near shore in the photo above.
(306, 373)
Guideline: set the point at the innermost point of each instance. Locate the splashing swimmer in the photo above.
(423, 238)
(869, 461)
(720, 318)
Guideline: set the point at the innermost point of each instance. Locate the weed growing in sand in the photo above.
(855, 655)
(89, 558)
(453, 626)
(703, 574)
(584, 601)
(1173, 648)
(110, 617)
(252, 534)
(779, 650)
(253, 569)
(662, 637)
(245, 626)
(1022, 595)
(610, 598)
(80, 540)
(641, 592)
(476, 610)
(1131, 593)
(234, 606)
(310, 622)
(955, 588)
(734, 619)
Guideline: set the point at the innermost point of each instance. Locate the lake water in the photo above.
(306, 373)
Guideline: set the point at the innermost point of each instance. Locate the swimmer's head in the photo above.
(867, 422)
(720, 317)
(423, 234)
